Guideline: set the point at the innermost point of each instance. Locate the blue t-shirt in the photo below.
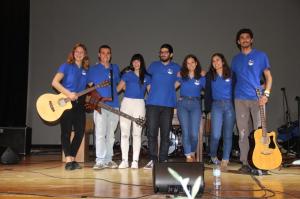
(75, 78)
(98, 74)
(191, 87)
(163, 78)
(221, 88)
(248, 70)
(134, 89)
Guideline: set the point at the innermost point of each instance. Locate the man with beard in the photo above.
(160, 104)
(248, 67)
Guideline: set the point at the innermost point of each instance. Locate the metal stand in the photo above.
(287, 115)
(297, 162)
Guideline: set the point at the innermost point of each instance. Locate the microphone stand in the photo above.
(297, 162)
(287, 116)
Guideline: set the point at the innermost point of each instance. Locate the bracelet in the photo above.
(267, 93)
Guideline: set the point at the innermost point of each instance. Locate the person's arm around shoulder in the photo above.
(178, 83)
(121, 86)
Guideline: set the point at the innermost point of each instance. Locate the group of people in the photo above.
(230, 95)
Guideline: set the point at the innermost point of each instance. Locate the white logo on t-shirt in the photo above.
(170, 71)
(250, 62)
(197, 82)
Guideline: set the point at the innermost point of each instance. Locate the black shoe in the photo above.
(69, 166)
(245, 169)
(76, 165)
(259, 172)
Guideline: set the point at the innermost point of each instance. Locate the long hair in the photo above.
(142, 71)
(85, 60)
(184, 72)
(226, 70)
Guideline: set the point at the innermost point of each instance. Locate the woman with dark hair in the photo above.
(218, 92)
(134, 82)
(70, 79)
(188, 106)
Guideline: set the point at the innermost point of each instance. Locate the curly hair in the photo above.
(184, 72)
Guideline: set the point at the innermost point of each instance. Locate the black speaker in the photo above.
(8, 156)
(17, 138)
(164, 182)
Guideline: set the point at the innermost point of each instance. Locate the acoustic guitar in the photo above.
(50, 106)
(264, 153)
(94, 101)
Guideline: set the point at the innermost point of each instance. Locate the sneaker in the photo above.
(124, 164)
(76, 165)
(215, 160)
(69, 166)
(135, 164)
(99, 166)
(112, 165)
(245, 169)
(149, 165)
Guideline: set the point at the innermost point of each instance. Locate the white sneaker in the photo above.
(149, 165)
(124, 164)
(135, 164)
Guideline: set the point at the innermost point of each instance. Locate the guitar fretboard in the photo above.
(102, 84)
(109, 108)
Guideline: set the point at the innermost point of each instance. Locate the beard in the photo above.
(165, 59)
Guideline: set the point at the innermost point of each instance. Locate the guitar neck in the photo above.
(88, 90)
(109, 108)
(263, 120)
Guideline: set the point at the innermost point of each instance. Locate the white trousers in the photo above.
(105, 126)
(134, 108)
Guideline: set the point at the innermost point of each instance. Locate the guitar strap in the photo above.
(111, 82)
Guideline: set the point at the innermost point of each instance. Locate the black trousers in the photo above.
(73, 120)
(158, 117)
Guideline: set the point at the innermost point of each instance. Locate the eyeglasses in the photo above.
(164, 52)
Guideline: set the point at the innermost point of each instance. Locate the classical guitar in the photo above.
(264, 152)
(51, 106)
(95, 102)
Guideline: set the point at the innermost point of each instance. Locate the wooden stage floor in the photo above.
(44, 176)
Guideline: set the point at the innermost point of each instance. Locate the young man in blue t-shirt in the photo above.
(105, 122)
(248, 67)
(160, 104)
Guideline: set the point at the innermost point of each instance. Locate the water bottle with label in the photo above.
(217, 176)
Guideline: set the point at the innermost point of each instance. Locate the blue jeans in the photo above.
(222, 119)
(189, 114)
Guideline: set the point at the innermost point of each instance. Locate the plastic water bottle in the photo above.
(217, 177)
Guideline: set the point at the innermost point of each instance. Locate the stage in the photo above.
(42, 175)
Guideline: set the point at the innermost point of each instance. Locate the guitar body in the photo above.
(264, 152)
(51, 106)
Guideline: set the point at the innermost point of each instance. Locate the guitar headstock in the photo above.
(103, 84)
(140, 121)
